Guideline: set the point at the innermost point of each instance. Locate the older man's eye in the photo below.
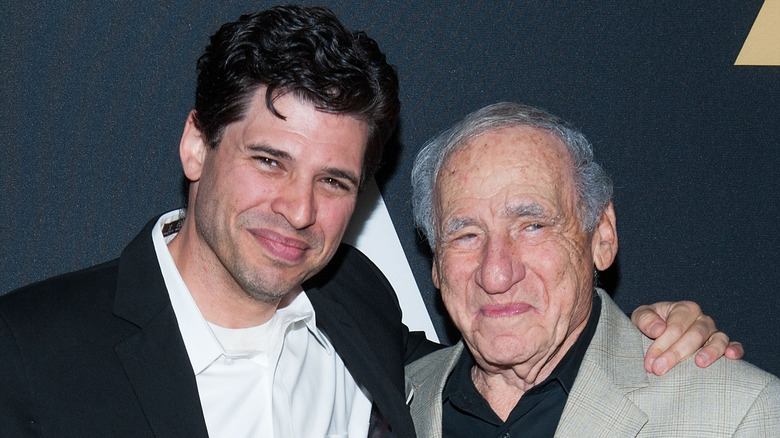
(466, 240)
(452, 238)
(534, 227)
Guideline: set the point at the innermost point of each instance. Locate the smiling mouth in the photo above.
(280, 247)
(506, 310)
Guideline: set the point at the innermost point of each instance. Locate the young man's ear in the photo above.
(192, 149)
(605, 241)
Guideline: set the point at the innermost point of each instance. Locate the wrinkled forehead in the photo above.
(506, 173)
(504, 157)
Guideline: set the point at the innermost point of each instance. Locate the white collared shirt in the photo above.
(280, 379)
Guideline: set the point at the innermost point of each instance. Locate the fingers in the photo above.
(652, 325)
(714, 348)
(686, 331)
(670, 348)
(735, 350)
(649, 321)
(718, 345)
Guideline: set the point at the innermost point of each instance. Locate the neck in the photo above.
(503, 387)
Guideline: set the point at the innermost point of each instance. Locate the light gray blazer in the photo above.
(613, 395)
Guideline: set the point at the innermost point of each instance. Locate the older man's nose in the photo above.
(499, 270)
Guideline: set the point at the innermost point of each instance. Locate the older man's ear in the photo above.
(435, 273)
(605, 241)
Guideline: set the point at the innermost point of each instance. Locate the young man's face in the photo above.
(272, 201)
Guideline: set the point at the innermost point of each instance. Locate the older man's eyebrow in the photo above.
(532, 210)
(523, 210)
(455, 224)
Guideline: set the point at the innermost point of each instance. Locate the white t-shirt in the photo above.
(280, 379)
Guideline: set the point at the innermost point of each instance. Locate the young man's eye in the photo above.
(333, 182)
(267, 161)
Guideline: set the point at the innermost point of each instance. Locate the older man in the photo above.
(518, 215)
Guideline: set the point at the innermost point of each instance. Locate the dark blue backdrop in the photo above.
(94, 95)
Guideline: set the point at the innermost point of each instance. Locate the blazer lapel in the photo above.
(598, 408)
(358, 311)
(429, 375)
(355, 350)
(611, 369)
(154, 358)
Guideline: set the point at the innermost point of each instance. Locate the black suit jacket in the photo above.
(98, 352)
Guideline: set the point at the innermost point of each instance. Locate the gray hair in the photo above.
(593, 185)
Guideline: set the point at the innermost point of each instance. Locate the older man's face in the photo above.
(513, 264)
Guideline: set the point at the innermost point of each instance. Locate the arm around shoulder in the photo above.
(379, 293)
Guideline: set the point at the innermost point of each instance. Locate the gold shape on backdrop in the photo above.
(762, 46)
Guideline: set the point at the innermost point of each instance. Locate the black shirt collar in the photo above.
(461, 392)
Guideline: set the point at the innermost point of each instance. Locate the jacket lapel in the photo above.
(358, 311)
(154, 358)
(429, 375)
(612, 368)
(598, 404)
(355, 350)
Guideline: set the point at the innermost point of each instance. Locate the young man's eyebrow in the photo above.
(343, 174)
(282, 155)
(270, 150)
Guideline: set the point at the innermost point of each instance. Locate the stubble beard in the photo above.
(250, 280)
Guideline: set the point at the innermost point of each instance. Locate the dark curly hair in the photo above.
(301, 50)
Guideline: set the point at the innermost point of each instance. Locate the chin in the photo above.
(511, 348)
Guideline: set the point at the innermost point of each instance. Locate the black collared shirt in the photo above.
(465, 413)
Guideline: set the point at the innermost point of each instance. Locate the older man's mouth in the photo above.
(506, 310)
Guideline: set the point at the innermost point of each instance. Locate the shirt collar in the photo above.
(202, 346)
(301, 309)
